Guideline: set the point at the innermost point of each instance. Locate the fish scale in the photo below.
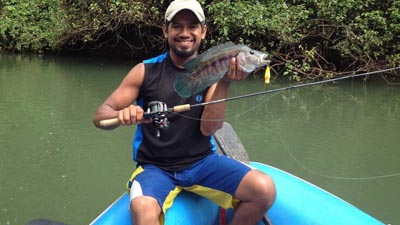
(210, 66)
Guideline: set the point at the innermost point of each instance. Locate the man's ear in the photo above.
(204, 31)
(165, 30)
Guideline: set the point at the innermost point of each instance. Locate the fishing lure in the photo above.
(267, 75)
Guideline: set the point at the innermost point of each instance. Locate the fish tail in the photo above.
(185, 85)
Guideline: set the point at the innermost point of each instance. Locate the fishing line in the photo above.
(254, 107)
(266, 99)
(333, 177)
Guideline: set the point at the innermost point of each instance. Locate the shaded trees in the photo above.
(309, 39)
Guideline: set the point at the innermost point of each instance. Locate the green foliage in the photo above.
(259, 24)
(308, 38)
(89, 18)
(99, 23)
(393, 21)
(360, 31)
(30, 25)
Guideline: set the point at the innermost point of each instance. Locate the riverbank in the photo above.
(308, 40)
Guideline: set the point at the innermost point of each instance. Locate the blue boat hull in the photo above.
(298, 202)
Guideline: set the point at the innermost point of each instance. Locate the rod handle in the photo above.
(115, 121)
(109, 122)
(181, 108)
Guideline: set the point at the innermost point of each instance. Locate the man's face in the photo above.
(184, 34)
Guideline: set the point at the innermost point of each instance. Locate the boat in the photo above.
(298, 202)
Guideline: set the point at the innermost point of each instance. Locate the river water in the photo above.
(55, 164)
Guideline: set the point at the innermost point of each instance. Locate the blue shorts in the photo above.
(212, 174)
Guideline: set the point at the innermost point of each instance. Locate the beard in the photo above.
(183, 53)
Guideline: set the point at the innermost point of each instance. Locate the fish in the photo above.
(211, 65)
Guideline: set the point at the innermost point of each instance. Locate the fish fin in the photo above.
(201, 83)
(219, 47)
(194, 63)
(217, 50)
(187, 85)
(184, 85)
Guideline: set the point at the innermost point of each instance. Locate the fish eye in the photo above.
(251, 52)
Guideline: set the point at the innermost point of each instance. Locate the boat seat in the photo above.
(228, 143)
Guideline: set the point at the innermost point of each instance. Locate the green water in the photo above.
(54, 164)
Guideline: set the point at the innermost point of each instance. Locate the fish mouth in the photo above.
(265, 59)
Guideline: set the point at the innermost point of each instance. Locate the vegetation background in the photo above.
(309, 39)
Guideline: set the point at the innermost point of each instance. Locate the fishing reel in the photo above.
(158, 112)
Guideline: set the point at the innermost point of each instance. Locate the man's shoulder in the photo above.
(157, 59)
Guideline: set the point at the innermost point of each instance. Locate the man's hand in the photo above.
(235, 72)
(132, 115)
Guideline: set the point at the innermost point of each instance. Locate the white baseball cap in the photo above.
(178, 5)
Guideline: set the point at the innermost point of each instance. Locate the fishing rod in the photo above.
(292, 87)
(158, 110)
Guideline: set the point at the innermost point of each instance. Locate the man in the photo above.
(182, 156)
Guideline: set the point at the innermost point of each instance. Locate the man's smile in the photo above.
(184, 43)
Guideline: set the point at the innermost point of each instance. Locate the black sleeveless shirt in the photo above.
(182, 143)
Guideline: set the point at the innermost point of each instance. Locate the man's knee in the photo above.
(144, 206)
(266, 190)
(258, 188)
